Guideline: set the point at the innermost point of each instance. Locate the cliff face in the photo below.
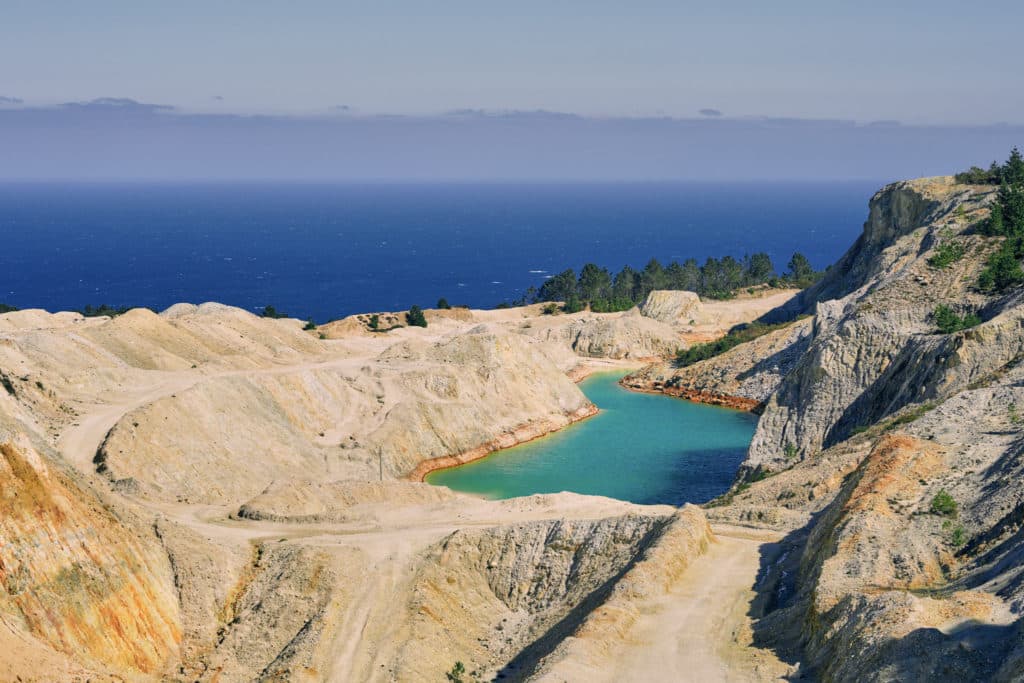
(873, 351)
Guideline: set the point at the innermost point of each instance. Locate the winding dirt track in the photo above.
(700, 630)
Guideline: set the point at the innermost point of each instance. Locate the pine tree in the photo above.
(594, 283)
(994, 224)
(415, 317)
(559, 287)
(800, 270)
(1013, 170)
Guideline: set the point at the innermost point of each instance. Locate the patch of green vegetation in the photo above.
(271, 312)
(550, 309)
(1011, 412)
(4, 308)
(948, 321)
(456, 674)
(443, 304)
(791, 451)
(738, 335)
(947, 253)
(573, 304)
(103, 309)
(374, 322)
(415, 317)
(943, 504)
(310, 325)
(912, 415)
(1002, 269)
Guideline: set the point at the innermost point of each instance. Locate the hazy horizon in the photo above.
(121, 139)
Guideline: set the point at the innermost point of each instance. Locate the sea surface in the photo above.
(325, 251)
(643, 448)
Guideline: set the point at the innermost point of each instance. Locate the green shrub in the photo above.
(573, 304)
(550, 309)
(1002, 270)
(611, 305)
(456, 674)
(374, 322)
(415, 317)
(443, 304)
(103, 309)
(946, 254)
(948, 321)
(4, 308)
(943, 504)
(911, 416)
(310, 325)
(271, 312)
(791, 451)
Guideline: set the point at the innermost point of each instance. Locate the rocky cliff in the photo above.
(890, 452)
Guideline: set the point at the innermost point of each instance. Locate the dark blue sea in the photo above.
(325, 251)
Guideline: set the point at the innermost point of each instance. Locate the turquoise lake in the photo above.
(642, 448)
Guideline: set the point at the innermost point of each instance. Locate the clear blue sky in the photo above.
(919, 62)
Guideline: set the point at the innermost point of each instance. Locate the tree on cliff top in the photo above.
(415, 317)
(559, 287)
(801, 273)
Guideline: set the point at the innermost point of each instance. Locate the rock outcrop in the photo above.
(673, 307)
(618, 336)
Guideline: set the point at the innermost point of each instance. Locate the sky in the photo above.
(292, 71)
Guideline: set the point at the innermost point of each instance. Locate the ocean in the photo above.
(329, 250)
